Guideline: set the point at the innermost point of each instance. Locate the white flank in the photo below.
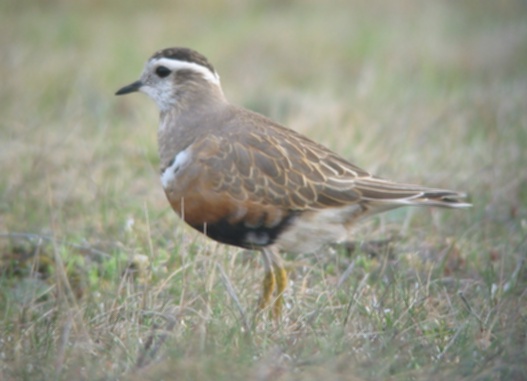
(258, 239)
(169, 174)
(312, 230)
(184, 65)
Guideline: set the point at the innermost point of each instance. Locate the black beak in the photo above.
(130, 88)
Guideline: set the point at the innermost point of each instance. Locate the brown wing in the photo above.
(245, 190)
(316, 178)
(285, 171)
(248, 181)
(268, 166)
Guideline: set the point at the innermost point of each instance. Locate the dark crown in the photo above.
(184, 54)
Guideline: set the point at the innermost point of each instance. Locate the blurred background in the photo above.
(428, 92)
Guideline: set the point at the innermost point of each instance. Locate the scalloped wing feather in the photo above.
(274, 166)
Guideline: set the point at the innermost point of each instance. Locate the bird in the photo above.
(245, 180)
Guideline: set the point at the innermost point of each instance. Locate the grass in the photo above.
(100, 281)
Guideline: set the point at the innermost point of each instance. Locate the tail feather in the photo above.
(380, 191)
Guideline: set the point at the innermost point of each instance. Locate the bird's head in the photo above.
(173, 73)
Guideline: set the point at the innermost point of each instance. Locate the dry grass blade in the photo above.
(232, 293)
(424, 92)
(154, 341)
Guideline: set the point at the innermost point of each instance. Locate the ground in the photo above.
(99, 280)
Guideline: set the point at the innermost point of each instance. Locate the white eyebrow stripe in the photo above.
(185, 65)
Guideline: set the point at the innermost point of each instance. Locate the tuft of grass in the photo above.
(98, 278)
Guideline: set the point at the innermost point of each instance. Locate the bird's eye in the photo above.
(162, 71)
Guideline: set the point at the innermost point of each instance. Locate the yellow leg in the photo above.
(281, 283)
(269, 282)
(275, 280)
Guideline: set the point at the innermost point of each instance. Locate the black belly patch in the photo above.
(242, 236)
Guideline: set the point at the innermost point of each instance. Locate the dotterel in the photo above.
(245, 180)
